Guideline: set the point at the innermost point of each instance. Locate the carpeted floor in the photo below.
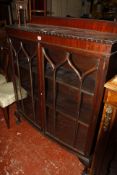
(25, 151)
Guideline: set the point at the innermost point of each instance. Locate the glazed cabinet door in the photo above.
(26, 76)
(70, 81)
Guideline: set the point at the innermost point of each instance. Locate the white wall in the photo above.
(65, 7)
(74, 8)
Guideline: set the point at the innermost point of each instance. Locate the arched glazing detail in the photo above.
(24, 55)
(68, 94)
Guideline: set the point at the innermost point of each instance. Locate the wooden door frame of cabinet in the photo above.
(102, 64)
(42, 91)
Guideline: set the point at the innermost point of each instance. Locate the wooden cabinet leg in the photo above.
(85, 171)
(18, 119)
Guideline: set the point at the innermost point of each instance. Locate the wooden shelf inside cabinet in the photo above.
(24, 63)
(69, 114)
(25, 68)
(67, 101)
(68, 78)
(69, 106)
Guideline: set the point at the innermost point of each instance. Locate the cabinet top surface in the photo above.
(69, 32)
(112, 84)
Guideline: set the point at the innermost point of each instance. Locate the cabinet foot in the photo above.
(18, 120)
(85, 171)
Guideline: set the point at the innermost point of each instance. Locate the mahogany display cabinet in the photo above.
(63, 65)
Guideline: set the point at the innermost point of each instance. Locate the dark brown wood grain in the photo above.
(98, 25)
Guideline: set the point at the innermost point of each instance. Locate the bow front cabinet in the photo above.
(63, 65)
